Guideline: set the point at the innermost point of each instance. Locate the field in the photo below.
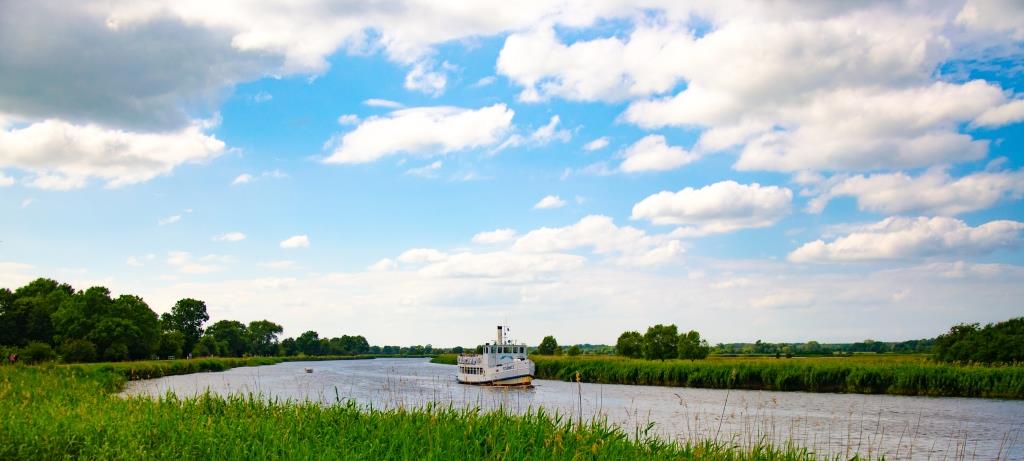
(865, 374)
(60, 412)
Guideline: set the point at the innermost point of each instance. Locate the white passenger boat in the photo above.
(502, 363)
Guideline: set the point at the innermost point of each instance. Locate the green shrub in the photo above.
(36, 352)
(78, 350)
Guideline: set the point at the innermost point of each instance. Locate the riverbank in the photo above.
(862, 374)
(56, 412)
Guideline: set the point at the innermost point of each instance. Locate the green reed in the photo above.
(900, 375)
(63, 412)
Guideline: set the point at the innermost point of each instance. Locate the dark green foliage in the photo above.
(26, 314)
(661, 342)
(208, 346)
(573, 351)
(78, 350)
(308, 343)
(630, 344)
(232, 335)
(691, 347)
(187, 316)
(37, 352)
(548, 346)
(263, 337)
(170, 344)
(1001, 342)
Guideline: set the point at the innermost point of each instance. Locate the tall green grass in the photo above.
(64, 412)
(865, 375)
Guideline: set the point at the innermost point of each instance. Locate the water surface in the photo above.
(839, 424)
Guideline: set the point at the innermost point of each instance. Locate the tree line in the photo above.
(45, 319)
(1001, 342)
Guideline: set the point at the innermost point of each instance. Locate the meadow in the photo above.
(864, 374)
(74, 411)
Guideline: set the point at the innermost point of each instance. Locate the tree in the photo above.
(263, 334)
(135, 311)
(308, 343)
(692, 347)
(187, 316)
(233, 335)
(660, 342)
(573, 351)
(630, 344)
(26, 314)
(37, 352)
(78, 350)
(207, 346)
(288, 347)
(1001, 342)
(547, 346)
(170, 344)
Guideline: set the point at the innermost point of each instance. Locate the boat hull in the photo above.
(522, 380)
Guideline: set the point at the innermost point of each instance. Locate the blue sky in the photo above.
(419, 174)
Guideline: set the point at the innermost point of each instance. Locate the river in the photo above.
(830, 424)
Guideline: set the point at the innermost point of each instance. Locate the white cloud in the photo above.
(720, 207)
(993, 15)
(933, 192)
(627, 245)
(540, 137)
(425, 131)
(244, 178)
(173, 219)
(426, 171)
(900, 238)
(494, 236)
(597, 144)
(5, 180)
(652, 153)
(262, 97)
(783, 299)
(549, 202)
(25, 203)
(230, 237)
(502, 264)
(385, 103)
(184, 263)
(1011, 112)
(421, 255)
(348, 119)
(297, 241)
(485, 81)
(423, 79)
(382, 265)
(66, 156)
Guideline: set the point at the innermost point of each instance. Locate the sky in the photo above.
(420, 171)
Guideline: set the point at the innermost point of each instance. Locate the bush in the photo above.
(573, 351)
(78, 350)
(36, 352)
(116, 352)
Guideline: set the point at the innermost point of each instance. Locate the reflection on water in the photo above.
(837, 424)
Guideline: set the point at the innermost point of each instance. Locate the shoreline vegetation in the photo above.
(914, 375)
(73, 411)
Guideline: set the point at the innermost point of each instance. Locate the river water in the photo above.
(829, 424)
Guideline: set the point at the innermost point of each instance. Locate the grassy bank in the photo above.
(60, 412)
(864, 374)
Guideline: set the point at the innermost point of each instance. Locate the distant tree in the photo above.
(187, 316)
(308, 343)
(573, 351)
(630, 344)
(170, 344)
(457, 350)
(78, 350)
(660, 342)
(548, 346)
(26, 313)
(288, 347)
(233, 335)
(207, 346)
(263, 334)
(691, 347)
(1001, 342)
(134, 310)
(37, 352)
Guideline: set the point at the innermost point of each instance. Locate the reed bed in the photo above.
(897, 375)
(61, 412)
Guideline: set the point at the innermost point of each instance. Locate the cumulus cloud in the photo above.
(65, 156)
(902, 238)
(993, 15)
(597, 144)
(382, 265)
(421, 255)
(246, 178)
(540, 137)
(502, 264)
(185, 263)
(720, 207)
(625, 244)
(494, 236)
(230, 237)
(652, 153)
(385, 103)
(297, 241)
(348, 119)
(933, 192)
(424, 131)
(549, 202)
(173, 219)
